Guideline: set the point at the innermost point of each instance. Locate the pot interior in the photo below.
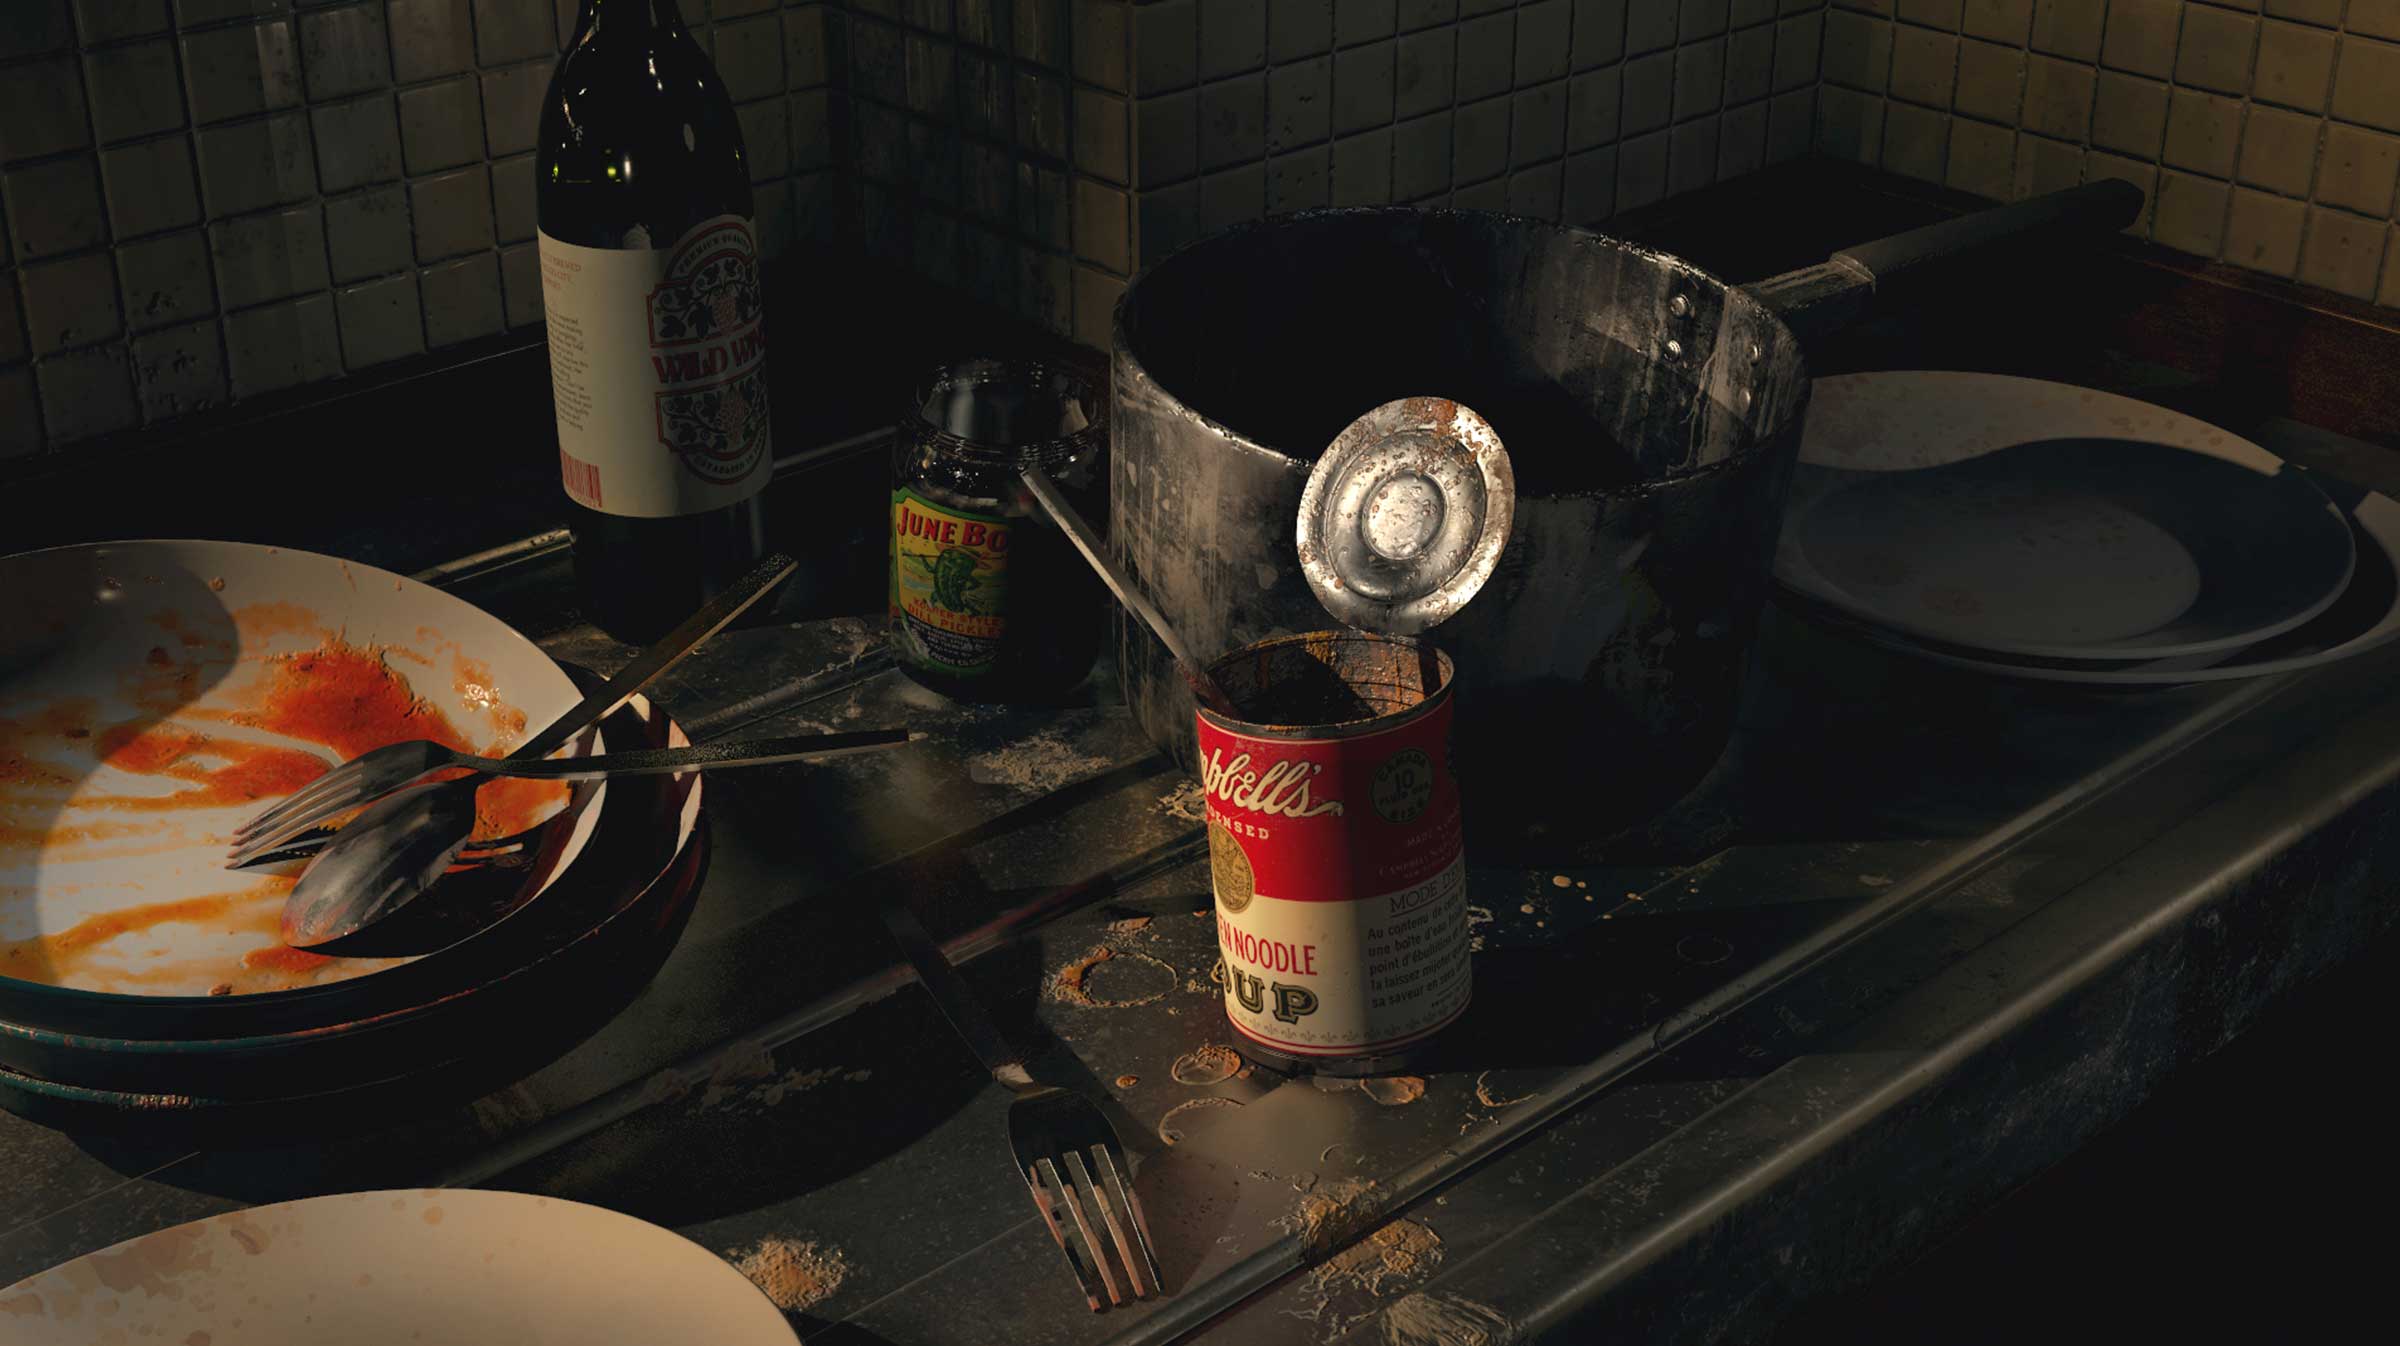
(1602, 366)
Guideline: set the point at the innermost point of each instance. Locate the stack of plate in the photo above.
(2040, 531)
(149, 693)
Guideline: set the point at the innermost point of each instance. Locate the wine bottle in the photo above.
(651, 287)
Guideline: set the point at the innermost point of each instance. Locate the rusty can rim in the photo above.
(1337, 730)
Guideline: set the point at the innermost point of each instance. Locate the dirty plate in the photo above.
(2021, 518)
(386, 1268)
(155, 694)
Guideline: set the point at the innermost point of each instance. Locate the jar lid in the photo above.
(1405, 514)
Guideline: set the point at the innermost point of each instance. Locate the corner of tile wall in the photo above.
(209, 200)
(2266, 133)
(1041, 153)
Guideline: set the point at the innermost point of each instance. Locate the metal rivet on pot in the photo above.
(1745, 399)
(1680, 306)
(1756, 353)
(1674, 349)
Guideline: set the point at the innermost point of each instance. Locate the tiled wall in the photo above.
(2263, 130)
(208, 200)
(1040, 151)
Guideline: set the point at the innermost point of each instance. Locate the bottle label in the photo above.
(658, 366)
(949, 584)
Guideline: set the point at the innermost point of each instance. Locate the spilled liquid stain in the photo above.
(92, 796)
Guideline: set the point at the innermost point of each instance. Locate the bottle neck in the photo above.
(628, 16)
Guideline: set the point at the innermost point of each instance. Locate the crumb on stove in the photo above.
(218, 584)
(1485, 1096)
(1393, 1090)
(221, 988)
(1527, 908)
(1072, 983)
(794, 1275)
(1128, 1081)
(1130, 925)
(1561, 881)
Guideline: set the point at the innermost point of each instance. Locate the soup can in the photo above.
(1333, 813)
(1334, 845)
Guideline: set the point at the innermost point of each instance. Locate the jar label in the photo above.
(949, 584)
(658, 368)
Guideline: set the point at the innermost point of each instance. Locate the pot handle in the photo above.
(1833, 293)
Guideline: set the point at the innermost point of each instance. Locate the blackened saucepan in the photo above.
(1652, 413)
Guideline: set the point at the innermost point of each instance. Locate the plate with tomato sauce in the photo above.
(155, 694)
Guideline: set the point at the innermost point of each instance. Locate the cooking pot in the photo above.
(1652, 414)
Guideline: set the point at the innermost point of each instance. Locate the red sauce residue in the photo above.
(228, 771)
(349, 700)
(505, 807)
(279, 958)
(257, 621)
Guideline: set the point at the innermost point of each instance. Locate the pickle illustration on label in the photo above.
(949, 583)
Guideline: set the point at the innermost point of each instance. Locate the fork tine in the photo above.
(1042, 1203)
(281, 809)
(1108, 1217)
(1099, 1254)
(326, 807)
(1107, 1158)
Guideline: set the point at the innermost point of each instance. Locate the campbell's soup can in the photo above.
(1334, 845)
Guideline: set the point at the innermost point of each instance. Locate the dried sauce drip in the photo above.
(793, 1275)
(72, 954)
(1073, 983)
(1485, 1096)
(1172, 1134)
(348, 699)
(249, 771)
(1203, 1066)
(1393, 1090)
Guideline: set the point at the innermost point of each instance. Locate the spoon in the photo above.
(1204, 688)
(389, 855)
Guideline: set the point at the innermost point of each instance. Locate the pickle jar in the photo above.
(990, 601)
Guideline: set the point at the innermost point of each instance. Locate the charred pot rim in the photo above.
(1318, 647)
(1133, 351)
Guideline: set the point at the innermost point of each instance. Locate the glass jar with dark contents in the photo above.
(989, 600)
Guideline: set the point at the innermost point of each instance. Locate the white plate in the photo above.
(398, 1269)
(2377, 516)
(121, 775)
(2018, 517)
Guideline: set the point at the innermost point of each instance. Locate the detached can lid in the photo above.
(1405, 514)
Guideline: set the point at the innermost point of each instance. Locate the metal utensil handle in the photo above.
(1820, 298)
(1071, 523)
(1080, 533)
(661, 761)
(665, 654)
(950, 992)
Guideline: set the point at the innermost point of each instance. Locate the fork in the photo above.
(1050, 1132)
(394, 766)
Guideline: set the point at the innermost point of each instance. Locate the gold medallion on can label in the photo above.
(1229, 869)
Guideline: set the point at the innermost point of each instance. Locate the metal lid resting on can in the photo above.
(1405, 514)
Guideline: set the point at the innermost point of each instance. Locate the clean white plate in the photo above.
(413, 1268)
(122, 777)
(2018, 517)
(2345, 635)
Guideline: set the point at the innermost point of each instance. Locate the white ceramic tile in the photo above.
(1983, 158)
(2356, 170)
(1916, 141)
(1991, 81)
(2366, 83)
(1424, 64)
(165, 280)
(282, 345)
(1301, 180)
(1858, 50)
(1599, 40)
(1362, 87)
(179, 370)
(1590, 189)
(1421, 157)
(461, 300)
(1850, 125)
(1699, 78)
(70, 302)
(2129, 114)
(1924, 65)
(2191, 213)
(2216, 49)
(2203, 132)
(379, 321)
(2295, 65)
(2140, 36)
(2262, 232)
(2009, 21)
(1592, 109)
(1362, 169)
(2279, 150)
(86, 393)
(1538, 125)
(2343, 252)
(2068, 28)
(1233, 37)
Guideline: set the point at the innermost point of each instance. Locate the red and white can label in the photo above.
(1340, 883)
